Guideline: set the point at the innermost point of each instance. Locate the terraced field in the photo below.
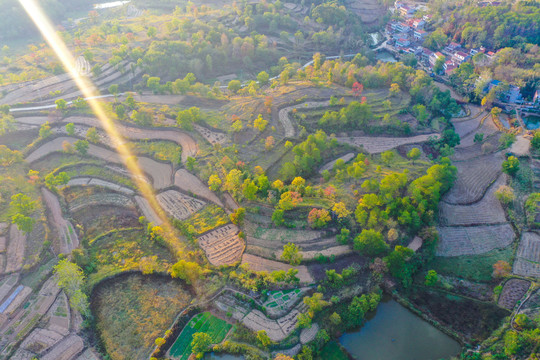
(486, 211)
(205, 323)
(257, 263)
(376, 145)
(178, 205)
(474, 178)
(473, 240)
(527, 261)
(513, 291)
(222, 246)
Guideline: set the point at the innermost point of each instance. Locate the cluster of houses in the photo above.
(408, 33)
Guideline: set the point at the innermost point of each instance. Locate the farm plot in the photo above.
(466, 127)
(486, 211)
(88, 181)
(203, 322)
(178, 205)
(108, 199)
(527, 261)
(229, 304)
(473, 179)
(277, 330)
(473, 240)
(222, 246)
(15, 250)
(133, 310)
(192, 185)
(376, 145)
(513, 291)
(67, 235)
(213, 137)
(67, 349)
(59, 315)
(40, 340)
(487, 128)
(257, 263)
(286, 121)
(281, 301)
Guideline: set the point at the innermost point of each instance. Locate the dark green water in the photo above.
(395, 333)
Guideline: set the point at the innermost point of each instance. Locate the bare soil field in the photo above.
(513, 291)
(192, 185)
(527, 261)
(486, 211)
(88, 181)
(222, 245)
(463, 240)
(15, 250)
(178, 205)
(370, 11)
(147, 211)
(330, 165)
(474, 178)
(376, 145)
(212, 136)
(67, 237)
(260, 264)
(100, 199)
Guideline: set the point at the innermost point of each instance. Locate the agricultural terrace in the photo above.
(204, 322)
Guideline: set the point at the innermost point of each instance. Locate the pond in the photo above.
(385, 56)
(214, 356)
(395, 333)
(532, 122)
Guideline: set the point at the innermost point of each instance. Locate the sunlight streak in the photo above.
(36, 13)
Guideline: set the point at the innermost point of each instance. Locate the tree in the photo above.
(277, 217)
(186, 270)
(200, 344)
(439, 65)
(237, 217)
(8, 156)
(81, 146)
(318, 218)
(370, 243)
(394, 89)
(23, 223)
(260, 123)
(269, 143)
(414, 154)
(535, 141)
(191, 163)
(237, 126)
(478, 137)
(501, 269)
(45, 130)
(113, 89)
(505, 194)
(340, 209)
(61, 104)
(214, 182)
(387, 156)
(70, 129)
(152, 32)
(160, 341)
(92, 135)
(431, 278)
(511, 165)
(70, 278)
(120, 111)
(234, 86)
(291, 254)
(304, 321)
(283, 357)
(263, 338)
(7, 123)
(22, 204)
(262, 78)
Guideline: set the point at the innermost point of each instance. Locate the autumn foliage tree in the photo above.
(501, 269)
(318, 218)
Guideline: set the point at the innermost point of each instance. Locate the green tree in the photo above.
(277, 217)
(188, 271)
(237, 217)
(262, 78)
(511, 165)
(81, 146)
(370, 243)
(70, 129)
(291, 254)
(22, 204)
(92, 135)
(45, 130)
(7, 123)
(234, 86)
(113, 89)
(152, 32)
(263, 338)
(23, 223)
(61, 104)
(200, 344)
(431, 278)
(120, 111)
(399, 265)
(70, 278)
(535, 141)
(414, 154)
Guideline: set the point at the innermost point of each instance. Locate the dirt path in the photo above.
(68, 239)
(160, 173)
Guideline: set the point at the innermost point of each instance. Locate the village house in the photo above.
(434, 57)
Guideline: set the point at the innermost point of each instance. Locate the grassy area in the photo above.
(134, 310)
(160, 150)
(210, 217)
(122, 250)
(332, 350)
(91, 170)
(203, 322)
(472, 267)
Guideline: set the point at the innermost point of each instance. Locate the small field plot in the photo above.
(178, 205)
(209, 218)
(257, 263)
(203, 322)
(513, 291)
(528, 255)
(472, 267)
(473, 240)
(222, 246)
(133, 310)
(486, 211)
(376, 145)
(119, 251)
(474, 178)
(279, 302)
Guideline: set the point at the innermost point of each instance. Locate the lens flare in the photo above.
(36, 13)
